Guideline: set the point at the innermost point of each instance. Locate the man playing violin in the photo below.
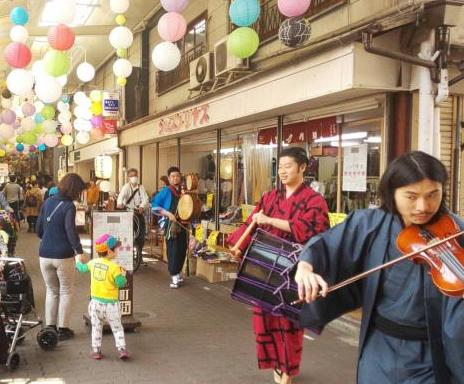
(410, 331)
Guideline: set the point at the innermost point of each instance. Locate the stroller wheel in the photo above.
(47, 339)
(13, 361)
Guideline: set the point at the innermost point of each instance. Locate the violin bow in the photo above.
(386, 265)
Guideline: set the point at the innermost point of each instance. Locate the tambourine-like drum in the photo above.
(266, 275)
(189, 207)
(191, 181)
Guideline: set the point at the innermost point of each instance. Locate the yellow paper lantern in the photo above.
(95, 96)
(67, 140)
(120, 20)
(121, 81)
(96, 108)
(2, 153)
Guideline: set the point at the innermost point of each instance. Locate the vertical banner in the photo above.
(120, 225)
(355, 168)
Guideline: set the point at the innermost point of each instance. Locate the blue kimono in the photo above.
(404, 294)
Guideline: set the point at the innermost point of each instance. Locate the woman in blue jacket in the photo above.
(59, 245)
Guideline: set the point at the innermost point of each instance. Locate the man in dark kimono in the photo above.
(410, 331)
(165, 203)
(295, 213)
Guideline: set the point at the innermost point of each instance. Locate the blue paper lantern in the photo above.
(20, 147)
(42, 147)
(19, 16)
(38, 118)
(244, 12)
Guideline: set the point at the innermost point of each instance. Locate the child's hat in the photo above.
(106, 242)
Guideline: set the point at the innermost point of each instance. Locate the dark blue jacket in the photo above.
(60, 239)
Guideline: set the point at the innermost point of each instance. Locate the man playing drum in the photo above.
(295, 213)
(165, 203)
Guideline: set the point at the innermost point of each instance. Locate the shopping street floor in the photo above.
(192, 335)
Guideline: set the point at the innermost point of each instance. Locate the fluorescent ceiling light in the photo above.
(225, 151)
(373, 139)
(84, 8)
(344, 143)
(345, 136)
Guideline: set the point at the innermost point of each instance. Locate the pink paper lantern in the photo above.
(28, 109)
(97, 121)
(61, 37)
(17, 55)
(32, 148)
(8, 116)
(293, 8)
(174, 5)
(51, 141)
(172, 26)
(66, 128)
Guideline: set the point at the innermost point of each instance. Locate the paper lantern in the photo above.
(166, 56)
(121, 52)
(50, 126)
(243, 42)
(8, 116)
(6, 131)
(2, 153)
(82, 112)
(48, 89)
(82, 137)
(85, 72)
(172, 26)
(96, 109)
(61, 37)
(42, 147)
(64, 117)
(122, 68)
(96, 95)
(103, 166)
(97, 133)
(121, 81)
(28, 124)
(119, 6)
(38, 118)
(66, 128)
(79, 97)
(121, 37)
(28, 109)
(244, 12)
(17, 55)
(32, 148)
(67, 140)
(19, 16)
(6, 103)
(105, 186)
(56, 63)
(62, 106)
(48, 112)
(63, 80)
(96, 121)
(20, 147)
(38, 69)
(19, 34)
(82, 125)
(29, 138)
(64, 11)
(174, 5)
(51, 140)
(120, 20)
(293, 8)
(294, 31)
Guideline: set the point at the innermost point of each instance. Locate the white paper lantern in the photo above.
(38, 106)
(51, 140)
(79, 98)
(166, 56)
(19, 34)
(85, 72)
(6, 131)
(50, 126)
(28, 124)
(64, 117)
(103, 166)
(63, 80)
(105, 186)
(82, 112)
(82, 125)
(64, 11)
(48, 89)
(38, 70)
(82, 137)
(121, 37)
(122, 68)
(20, 82)
(119, 6)
(66, 127)
(62, 106)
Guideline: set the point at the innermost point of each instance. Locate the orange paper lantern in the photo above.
(61, 37)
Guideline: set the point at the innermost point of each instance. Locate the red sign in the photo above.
(110, 127)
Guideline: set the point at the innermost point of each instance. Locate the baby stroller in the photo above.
(17, 310)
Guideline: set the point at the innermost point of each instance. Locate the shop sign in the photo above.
(184, 121)
(110, 127)
(110, 104)
(355, 168)
(4, 169)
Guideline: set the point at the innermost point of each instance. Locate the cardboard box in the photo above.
(216, 272)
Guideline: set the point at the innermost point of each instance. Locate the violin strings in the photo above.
(447, 257)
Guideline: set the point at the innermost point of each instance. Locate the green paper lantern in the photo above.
(56, 63)
(38, 129)
(243, 42)
(121, 52)
(48, 112)
(29, 138)
(19, 139)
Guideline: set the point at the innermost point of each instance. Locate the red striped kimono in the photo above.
(279, 342)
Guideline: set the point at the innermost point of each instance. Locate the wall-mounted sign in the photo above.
(184, 120)
(355, 168)
(110, 104)
(110, 126)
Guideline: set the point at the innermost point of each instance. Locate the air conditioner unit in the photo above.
(201, 70)
(225, 61)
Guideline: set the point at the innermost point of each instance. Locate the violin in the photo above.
(434, 244)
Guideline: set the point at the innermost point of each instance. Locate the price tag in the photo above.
(209, 200)
(199, 233)
(212, 239)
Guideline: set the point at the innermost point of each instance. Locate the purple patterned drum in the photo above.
(266, 275)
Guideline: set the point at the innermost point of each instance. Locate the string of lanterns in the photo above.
(295, 30)
(172, 27)
(243, 42)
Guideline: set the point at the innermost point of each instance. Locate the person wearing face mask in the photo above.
(134, 197)
(165, 204)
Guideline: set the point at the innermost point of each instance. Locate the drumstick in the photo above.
(245, 234)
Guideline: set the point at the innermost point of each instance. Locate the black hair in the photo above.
(410, 168)
(103, 254)
(297, 153)
(173, 169)
(13, 178)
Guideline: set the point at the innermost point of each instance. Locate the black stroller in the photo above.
(17, 310)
